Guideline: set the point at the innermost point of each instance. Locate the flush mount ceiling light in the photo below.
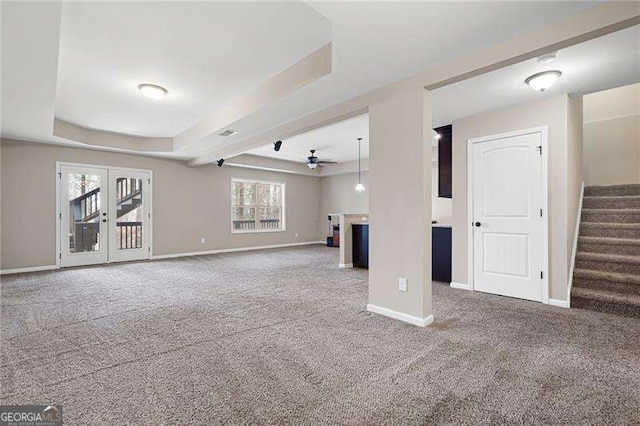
(543, 80)
(152, 91)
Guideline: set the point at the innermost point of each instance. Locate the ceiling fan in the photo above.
(313, 161)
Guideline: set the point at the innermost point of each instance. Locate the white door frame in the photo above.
(543, 131)
(58, 176)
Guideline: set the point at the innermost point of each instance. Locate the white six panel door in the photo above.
(507, 222)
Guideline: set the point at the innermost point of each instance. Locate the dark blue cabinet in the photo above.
(360, 237)
(441, 253)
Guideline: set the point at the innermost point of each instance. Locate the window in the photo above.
(257, 206)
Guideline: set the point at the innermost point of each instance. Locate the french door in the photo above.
(507, 215)
(105, 214)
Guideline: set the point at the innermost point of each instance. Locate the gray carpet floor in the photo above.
(282, 336)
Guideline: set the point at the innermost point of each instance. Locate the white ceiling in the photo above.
(377, 43)
(337, 142)
(28, 88)
(204, 53)
(599, 64)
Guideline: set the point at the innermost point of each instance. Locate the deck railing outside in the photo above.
(248, 225)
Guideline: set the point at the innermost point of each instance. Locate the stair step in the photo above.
(611, 230)
(608, 262)
(612, 190)
(611, 215)
(607, 281)
(611, 202)
(604, 245)
(606, 301)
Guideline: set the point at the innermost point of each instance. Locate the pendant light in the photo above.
(359, 186)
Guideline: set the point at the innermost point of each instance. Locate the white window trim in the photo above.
(259, 231)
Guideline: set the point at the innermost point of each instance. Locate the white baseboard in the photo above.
(233, 250)
(459, 286)
(559, 303)
(575, 245)
(30, 269)
(168, 256)
(422, 322)
(345, 265)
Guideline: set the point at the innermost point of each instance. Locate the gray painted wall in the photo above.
(554, 113)
(338, 194)
(612, 136)
(189, 203)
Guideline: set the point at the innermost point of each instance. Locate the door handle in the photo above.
(478, 224)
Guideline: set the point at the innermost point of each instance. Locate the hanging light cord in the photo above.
(359, 160)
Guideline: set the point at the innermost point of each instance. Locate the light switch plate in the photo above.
(402, 284)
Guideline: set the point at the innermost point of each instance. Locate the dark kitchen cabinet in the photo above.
(441, 253)
(445, 157)
(360, 237)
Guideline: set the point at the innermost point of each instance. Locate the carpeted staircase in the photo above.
(606, 277)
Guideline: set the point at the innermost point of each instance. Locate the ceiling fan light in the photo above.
(152, 91)
(359, 187)
(543, 80)
(312, 165)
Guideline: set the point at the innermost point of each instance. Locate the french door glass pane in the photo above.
(85, 201)
(129, 213)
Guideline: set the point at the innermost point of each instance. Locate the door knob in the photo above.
(104, 214)
(104, 220)
(478, 224)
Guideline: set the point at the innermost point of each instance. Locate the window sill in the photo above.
(257, 231)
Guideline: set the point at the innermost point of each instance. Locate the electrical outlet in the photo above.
(296, 235)
(402, 284)
(202, 240)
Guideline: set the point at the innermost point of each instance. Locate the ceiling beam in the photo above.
(591, 23)
(104, 139)
(249, 161)
(311, 68)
